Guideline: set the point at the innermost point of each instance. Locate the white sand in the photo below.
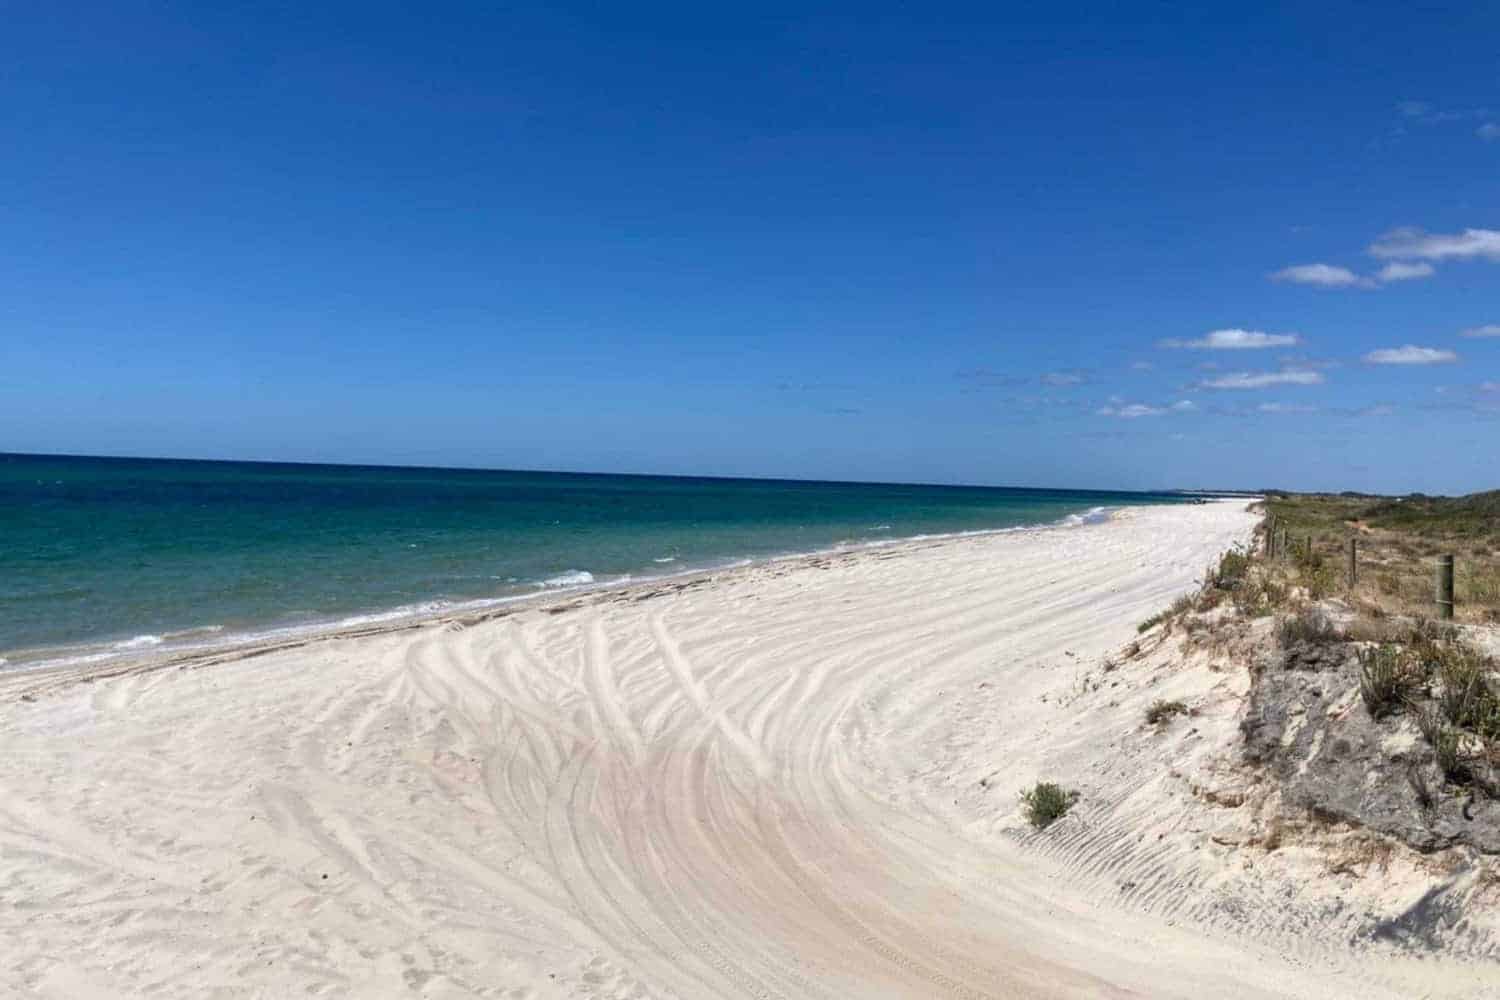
(766, 785)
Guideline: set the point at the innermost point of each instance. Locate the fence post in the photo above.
(1270, 552)
(1353, 562)
(1445, 586)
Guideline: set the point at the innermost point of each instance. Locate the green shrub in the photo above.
(1259, 596)
(1320, 579)
(1430, 724)
(1308, 625)
(1046, 803)
(1384, 680)
(1233, 565)
(1466, 698)
(1450, 759)
(1174, 610)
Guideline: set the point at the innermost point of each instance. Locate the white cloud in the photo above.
(1410, 354)
(1488, 330)
(1235, 340)
(1414, 244)
(1489, 131)
(1061, 378)
(1263, 380)
(1286, 408)
(1400, 270)
(1322, 276)
(1132, 411)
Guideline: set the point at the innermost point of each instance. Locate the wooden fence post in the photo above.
(1445, 586)
(1353, 562)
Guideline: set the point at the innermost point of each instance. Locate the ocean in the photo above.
(101, 557)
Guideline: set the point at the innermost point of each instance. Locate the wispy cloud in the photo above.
(1424, 111)
(1401, 270)
(1264, 380)
(1286, 408)
(1062, 379)
(1410, 354)
(1488, 330)
(1322, 276)
(1134, 411)
(1235, 340)
(989, 378)
(1141, 366)
(1415, 244)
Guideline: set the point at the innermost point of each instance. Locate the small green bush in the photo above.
(1174, 610)
(1151, 623)
(1258, 596)
(1162, 710)
(1466, 698)
(1430, 724)
(1046, 803)
(1308, 625)
(1383, 680)
(1233, 565)
(1450, 759)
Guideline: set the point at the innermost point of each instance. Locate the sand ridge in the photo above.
(763, 785)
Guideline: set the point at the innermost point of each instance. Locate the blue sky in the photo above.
(907, 242)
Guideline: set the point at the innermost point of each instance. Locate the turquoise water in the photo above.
(99, 556)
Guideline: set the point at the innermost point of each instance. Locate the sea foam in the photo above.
(572, 578)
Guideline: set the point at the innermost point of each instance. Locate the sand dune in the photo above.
(767, 784)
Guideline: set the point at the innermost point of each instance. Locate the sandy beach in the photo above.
(791, 780)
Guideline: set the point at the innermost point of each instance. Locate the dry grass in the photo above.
(1162, 710)
(1399, 542)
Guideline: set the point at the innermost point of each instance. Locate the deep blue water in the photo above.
(98, 553)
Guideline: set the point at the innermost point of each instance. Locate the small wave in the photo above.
(572, 578)
(665, 559)
(193, 633)
(140, 642)
(880, 527)
(380, 617)
(1097, 515)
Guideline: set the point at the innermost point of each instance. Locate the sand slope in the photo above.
(761, 785)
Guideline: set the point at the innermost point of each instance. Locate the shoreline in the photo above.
(799, 779)
(112, 657)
